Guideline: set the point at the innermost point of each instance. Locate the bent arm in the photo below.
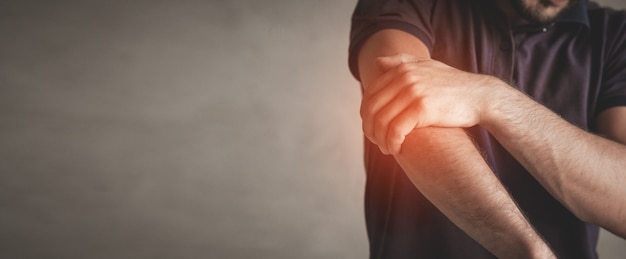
(585, 172)
(446, 167)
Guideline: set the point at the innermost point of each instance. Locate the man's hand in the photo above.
(415, 93)
(443, 163)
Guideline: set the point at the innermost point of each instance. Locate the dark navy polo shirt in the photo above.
(576, 67)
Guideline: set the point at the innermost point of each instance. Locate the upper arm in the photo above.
(612, 123)
(387, 42)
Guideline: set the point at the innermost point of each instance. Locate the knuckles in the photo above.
(395, 132)
(387, 131)
(406, 67)
(380, 123)
(367, 109)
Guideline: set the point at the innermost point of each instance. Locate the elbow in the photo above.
(584, 207)
(614, 223)
(608, 215)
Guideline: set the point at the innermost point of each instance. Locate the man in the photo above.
(494, 127)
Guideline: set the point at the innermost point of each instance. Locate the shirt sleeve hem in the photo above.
(611, 102)
(357, 42)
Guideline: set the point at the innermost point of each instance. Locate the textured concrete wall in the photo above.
(181, 129)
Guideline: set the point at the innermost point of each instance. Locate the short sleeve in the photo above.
(370, 16)
(613, 89)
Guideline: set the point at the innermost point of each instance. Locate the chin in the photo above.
(541, 11)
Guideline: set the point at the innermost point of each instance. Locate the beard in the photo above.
(543, 12)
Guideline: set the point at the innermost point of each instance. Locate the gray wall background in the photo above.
(182, 129)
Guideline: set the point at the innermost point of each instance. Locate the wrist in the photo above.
(494, 99)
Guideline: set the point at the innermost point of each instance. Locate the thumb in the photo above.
(388, 62)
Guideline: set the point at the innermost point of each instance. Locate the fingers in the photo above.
(387, 99)
(374, 102)
(388, 62)
(386, 78)
(370, 105)
(401, 126)
(416, 93)
(395, 110)
(392, 67)
(397, 101)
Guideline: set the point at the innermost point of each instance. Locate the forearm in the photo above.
(445, 166)
(587, 173)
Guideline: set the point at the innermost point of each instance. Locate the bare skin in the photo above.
(411, 110)
(443, 163)
(588, 176)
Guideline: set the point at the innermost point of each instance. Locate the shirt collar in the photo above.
(575, 14)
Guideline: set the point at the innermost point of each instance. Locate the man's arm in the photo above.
(444, 164)
(612, 124)
(586, 172)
